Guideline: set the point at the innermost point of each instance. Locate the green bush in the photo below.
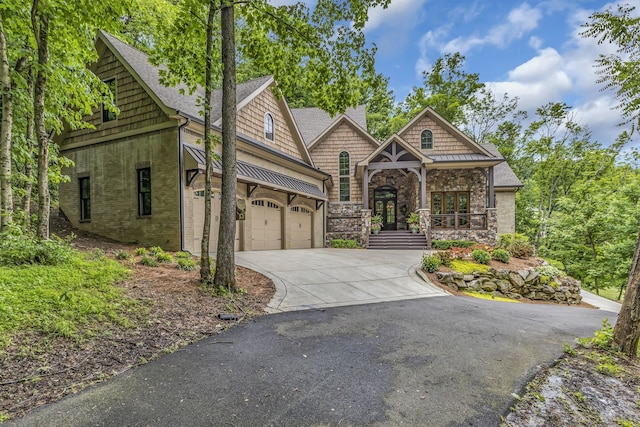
(20, 247)
(557, 264)
(140, 251)
(344, 243)
(164, 257)
(187, 264)
(122, 255)
(483, 257)
(443, 245)
(501, 255)
(549, 271)
(155, 250)
(504, 240)
(517, 244)
(148, 261)
(431, 263)
(185, 255)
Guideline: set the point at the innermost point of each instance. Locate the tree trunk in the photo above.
(205, 265)
(225, 260)
(41, 31)
(6, 196)
(28, 164)
(627, 329)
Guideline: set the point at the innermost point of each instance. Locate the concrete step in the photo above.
(396, 239)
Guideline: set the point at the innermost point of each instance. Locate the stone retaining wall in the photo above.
(527, 283)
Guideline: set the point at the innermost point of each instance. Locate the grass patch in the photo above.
(489, 297)
(468, 267)
(67, 300)
(610, 293)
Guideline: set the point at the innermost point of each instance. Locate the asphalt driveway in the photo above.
(321, 278)
(447, 361)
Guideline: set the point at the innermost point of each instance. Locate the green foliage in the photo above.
(414, 218)
(601, 339)
(155, 250)
(343, 243)
(431, 263)
(568, 349)
(517, 244)
(187, 264)
(501, 255)
(140, 251)
(20, 247)
(446, 257)
(69, 300)
(482, 257)
(164, 257)
(123, 255)
(448, 244)
(183, 255)
(557, 264)
(148, 261)
(505, 240)
(468, 267)
(376, 219)
(549, 271)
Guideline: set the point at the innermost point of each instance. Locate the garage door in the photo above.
(266, 225)
(300, 228)
(198, 222)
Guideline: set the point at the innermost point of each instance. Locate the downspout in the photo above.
(181, 178)
(324, 214)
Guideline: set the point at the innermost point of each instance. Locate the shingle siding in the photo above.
(443, 141)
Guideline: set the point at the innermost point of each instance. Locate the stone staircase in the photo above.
(397, 239)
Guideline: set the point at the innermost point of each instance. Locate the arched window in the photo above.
(268, 127)
(345, 176)
(426, 140)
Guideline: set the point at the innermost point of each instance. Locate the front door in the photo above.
(385, 201)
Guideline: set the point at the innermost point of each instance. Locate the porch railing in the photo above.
(459, 221)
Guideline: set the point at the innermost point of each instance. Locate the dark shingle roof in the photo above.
(257, 174)
(503, 175)
(171, 96)
(313, 121)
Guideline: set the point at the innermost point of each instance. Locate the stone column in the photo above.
(366, 227)
(492, 226)
(425, 224)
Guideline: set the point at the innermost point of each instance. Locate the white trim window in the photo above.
(344, 167)
(268, 127)
(426, 140)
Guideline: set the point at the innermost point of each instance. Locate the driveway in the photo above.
(321, 278)
(424, 362)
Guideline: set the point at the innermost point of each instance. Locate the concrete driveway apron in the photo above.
(318, 278)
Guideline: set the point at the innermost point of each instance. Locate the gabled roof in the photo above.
(503, 175)
(406, 151)
(170, 98)
(258, 175)
(444, 123)
(355, 126)
(313, 121)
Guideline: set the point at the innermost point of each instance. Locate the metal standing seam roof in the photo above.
(256, 173)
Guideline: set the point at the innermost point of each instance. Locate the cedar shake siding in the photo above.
(443, 141)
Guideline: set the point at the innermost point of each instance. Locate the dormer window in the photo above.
(426, 140)
(268, 127)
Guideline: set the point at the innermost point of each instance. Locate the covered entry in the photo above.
(385, 204)
(266, 225)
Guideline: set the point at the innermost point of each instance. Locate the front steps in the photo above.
(397, 239)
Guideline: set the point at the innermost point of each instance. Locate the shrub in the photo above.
(446, 257)
(460, 253)
(557, 264)
(155, 250)
(187, 264)
(517, 244)
(501, 255)
(148, 261)
(468, 267)
(140, 251)
(431, 263)
(20, 247)
(505, 240)
(344, 243)
(185, 255)
(483, 257)
(122, 255)
(164, 257)
(549, 271)
(448, 244)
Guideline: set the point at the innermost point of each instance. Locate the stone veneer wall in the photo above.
(527, 283)
(344, 221)
(488, 236)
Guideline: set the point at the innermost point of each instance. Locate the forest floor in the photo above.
(587, 387)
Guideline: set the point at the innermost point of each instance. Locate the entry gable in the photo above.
(445, 137)
(266, 118)
(394, 153)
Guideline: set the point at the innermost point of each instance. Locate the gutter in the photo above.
(180, 177)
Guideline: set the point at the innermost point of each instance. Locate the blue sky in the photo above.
(531, 50)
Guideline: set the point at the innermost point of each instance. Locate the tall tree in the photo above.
(6, 125)
(619, 71)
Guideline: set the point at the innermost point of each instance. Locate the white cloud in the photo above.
(399, 15)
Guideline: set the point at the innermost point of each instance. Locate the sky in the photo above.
(530, 50)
